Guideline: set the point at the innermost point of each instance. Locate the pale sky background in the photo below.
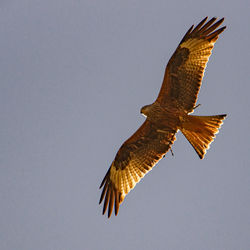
(74, 75)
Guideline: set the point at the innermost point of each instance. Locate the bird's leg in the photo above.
(197, 106)
(171, 151)
(165, 132)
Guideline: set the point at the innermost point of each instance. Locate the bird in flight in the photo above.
(168, 114)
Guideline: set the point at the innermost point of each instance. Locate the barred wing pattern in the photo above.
(185, 69)
(136, 157)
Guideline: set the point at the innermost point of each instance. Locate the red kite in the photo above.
(168, 114)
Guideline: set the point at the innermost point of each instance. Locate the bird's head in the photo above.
(145, 110)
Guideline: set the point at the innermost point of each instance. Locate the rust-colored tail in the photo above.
(200, 131)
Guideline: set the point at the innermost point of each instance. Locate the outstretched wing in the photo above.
(135, 158)
(185, 69)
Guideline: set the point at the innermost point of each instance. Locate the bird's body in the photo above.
(164, 117)
(168, 114)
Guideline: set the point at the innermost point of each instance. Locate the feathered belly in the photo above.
(165, 118)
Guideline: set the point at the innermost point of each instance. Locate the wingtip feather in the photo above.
(111, 202)
(103, 192)
(117, 203)
(204, 29)
(107, 198)
(199, 25)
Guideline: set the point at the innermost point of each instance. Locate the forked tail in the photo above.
(200, 131)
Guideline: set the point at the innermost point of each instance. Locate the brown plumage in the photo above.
(168, 114)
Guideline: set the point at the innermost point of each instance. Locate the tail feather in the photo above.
(200, 131)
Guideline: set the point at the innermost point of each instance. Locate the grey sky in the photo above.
(74, 75)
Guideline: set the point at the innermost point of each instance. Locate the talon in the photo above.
(197, 106)
(171, 151)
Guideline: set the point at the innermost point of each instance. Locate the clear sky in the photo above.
(74, 75)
